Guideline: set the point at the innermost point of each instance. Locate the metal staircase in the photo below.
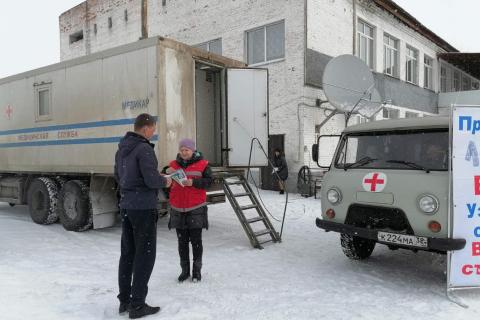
(250, 213)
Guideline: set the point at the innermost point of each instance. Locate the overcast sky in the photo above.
(29, 31)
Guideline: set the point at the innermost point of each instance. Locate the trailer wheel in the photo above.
(74, 209)
(356, 248)
(43, 200)
(60, 181)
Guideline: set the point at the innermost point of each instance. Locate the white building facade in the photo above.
(294, 39)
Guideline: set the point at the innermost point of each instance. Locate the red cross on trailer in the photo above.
(375, 182)
(9, 112)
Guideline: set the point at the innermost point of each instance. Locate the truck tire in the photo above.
(74, 209)
(43, 200)
(356, 248)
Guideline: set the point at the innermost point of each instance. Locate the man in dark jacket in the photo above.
(281, 169)
(136, 171)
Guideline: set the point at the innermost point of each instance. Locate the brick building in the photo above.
(294, 39)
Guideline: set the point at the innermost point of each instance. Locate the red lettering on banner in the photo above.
(475, 248)
(477, 185)
(467, 269)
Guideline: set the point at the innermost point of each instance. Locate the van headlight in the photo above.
(334, 196)
(428, 204)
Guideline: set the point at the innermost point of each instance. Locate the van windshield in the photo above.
(412, 150)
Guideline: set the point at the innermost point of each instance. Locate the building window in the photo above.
(411, 68)
(456, 81)
(390, 113)
(43, 98)
(390, 55)
(266, 43)
(77, 36)
(214, 46)
(428, 72)
(365, 44)
(443, 78)
(125, 15)
(409, 114)
(110, 23)
(466, 83)
(95, 28)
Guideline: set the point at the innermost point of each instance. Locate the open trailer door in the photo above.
(247, 116)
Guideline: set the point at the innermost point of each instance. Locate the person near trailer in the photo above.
(280, 169)
(188, 214)
(136, 172)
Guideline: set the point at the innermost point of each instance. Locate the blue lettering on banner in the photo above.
(471, 125)
(472, 154)
(476, 232)
(472, 207)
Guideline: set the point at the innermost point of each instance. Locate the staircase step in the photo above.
(233, 182)
(263, 242)
(250, 206)
(256, 219)
(237, 195)
(261, 232)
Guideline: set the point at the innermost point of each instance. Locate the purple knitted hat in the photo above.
(187, 143)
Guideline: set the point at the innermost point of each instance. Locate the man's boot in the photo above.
(142, 311)
(185, 271)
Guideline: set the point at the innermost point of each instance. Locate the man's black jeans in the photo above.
(139, 247)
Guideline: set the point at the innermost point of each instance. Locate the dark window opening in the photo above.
(77, 36)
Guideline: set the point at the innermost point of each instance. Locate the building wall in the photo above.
(97, 12)
(312, 38)
(195, 22)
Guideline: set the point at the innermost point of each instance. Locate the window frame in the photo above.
(413, 58)
(265, 55)
(396, 50)
(38, 89)
(208, 43)
(370, 39)
(428, 72)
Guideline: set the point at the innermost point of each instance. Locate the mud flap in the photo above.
(103, 197)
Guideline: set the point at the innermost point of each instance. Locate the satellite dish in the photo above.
(370, 105)
(347, 80)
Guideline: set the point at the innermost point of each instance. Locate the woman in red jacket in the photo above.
(188, 214)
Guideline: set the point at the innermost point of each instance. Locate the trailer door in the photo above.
(247, 116)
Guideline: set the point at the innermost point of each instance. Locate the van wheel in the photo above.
(74, 209)
(356, 248)
(42, 201)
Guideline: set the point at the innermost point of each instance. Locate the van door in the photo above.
(247, 116)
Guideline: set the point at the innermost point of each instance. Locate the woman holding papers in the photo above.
(191, 177)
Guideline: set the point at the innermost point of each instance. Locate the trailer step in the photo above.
(256, 219)
(238, 195)
(250, 206)
(262, 232)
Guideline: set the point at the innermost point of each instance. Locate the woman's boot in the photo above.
(185, 271)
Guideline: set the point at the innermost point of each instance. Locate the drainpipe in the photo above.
(354, 47)
(144, 19)
(88, 46)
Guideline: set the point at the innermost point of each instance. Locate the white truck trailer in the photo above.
(61, 124)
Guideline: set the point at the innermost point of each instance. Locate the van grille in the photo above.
(378, 218)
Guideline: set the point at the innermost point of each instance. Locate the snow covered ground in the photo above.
(49, 273)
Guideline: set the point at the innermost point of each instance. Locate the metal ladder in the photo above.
(258, 215)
